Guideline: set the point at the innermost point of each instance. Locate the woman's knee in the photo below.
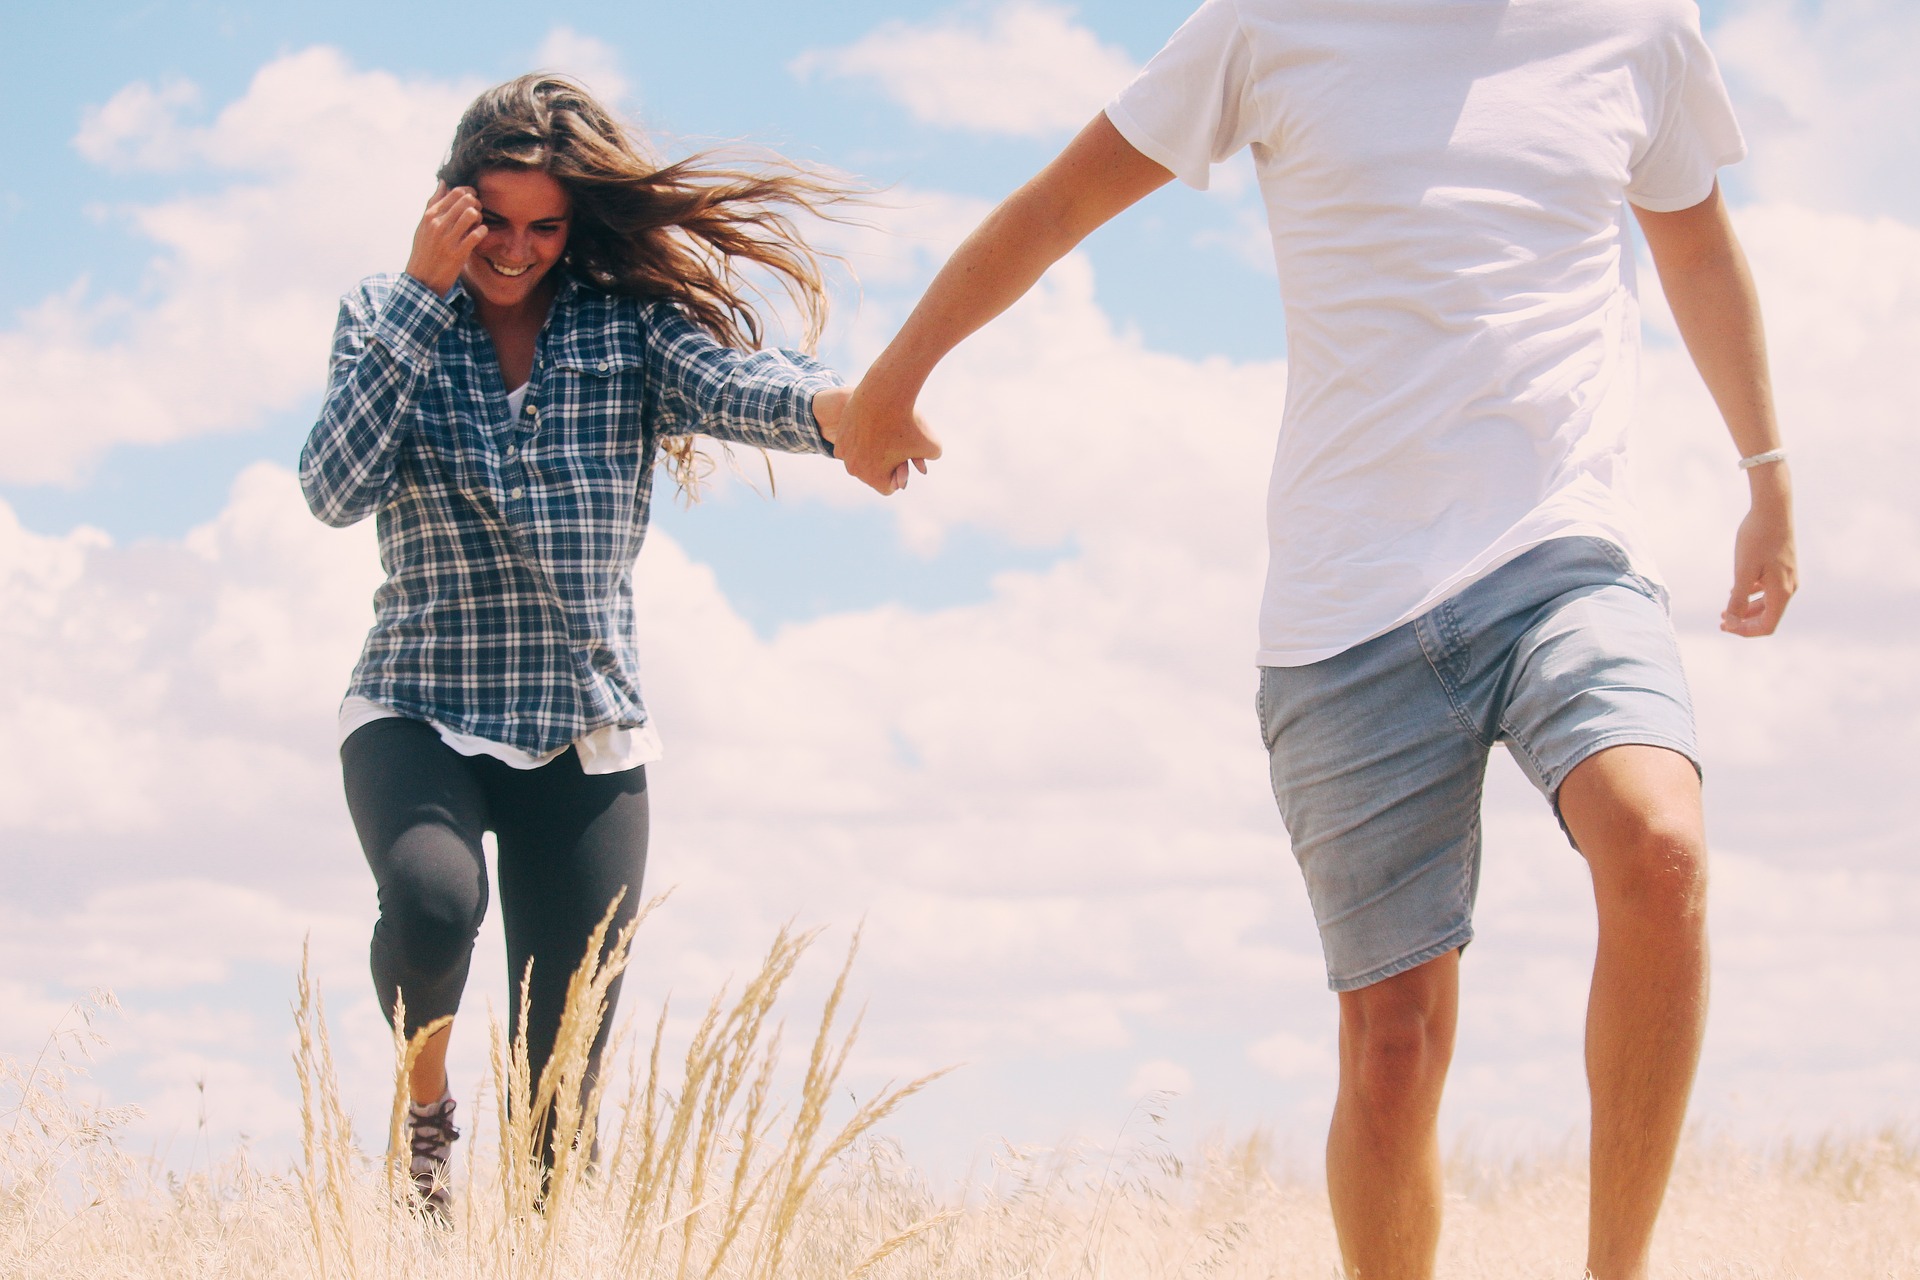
(432, 906)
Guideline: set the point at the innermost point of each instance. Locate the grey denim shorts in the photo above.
(1379, 754)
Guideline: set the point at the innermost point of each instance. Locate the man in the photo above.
(1454, 555)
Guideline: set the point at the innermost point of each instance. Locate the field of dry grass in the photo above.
(705, 1173)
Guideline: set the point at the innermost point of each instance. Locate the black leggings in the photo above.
(568, 841)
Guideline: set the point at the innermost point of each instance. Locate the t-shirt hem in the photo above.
(1274, 657)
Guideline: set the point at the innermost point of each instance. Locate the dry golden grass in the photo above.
(705, 1174)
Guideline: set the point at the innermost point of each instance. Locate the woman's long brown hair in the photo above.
(679, 231)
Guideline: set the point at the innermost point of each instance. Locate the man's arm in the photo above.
(1707, 284)
(1098, 175)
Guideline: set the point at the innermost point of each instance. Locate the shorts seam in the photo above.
(1615, 554)
(1622, 738)
(1455, 940)
(1460, 717)
(1631, 577)
(1515, 743)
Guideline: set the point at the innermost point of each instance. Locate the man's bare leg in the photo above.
(1383, 1150)
(1635, 813)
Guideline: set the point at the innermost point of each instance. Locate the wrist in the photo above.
(438, 288)
(1770, 485)
(826, 404)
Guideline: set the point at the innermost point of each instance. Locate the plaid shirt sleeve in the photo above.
(383, 349)
(758, 398)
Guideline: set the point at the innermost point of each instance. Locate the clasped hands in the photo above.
(877, 436)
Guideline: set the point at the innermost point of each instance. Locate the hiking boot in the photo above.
(431, 1135)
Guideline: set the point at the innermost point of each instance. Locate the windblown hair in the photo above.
(679, 232)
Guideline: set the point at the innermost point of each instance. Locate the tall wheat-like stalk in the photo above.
(326, 1135)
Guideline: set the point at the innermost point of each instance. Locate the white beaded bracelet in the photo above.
(1751, 461)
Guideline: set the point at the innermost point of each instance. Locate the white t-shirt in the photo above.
(1446, 183)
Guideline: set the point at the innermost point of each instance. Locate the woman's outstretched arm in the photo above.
(764, 399)
(1099, 174)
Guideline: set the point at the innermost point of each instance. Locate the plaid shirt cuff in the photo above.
(805, 387)
(411, 322)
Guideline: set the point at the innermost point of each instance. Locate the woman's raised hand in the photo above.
(449, 231)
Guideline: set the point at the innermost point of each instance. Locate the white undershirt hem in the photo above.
(609, 749)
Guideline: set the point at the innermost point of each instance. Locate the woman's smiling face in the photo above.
(526, 214)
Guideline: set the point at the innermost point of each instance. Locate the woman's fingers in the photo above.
(459, 209)
(450, 230)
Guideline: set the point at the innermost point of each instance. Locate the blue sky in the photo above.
(1003, 719)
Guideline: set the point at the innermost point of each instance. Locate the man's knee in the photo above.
(1635, 814)
(1655, 864)
(1396, 1036)
(1656, 869)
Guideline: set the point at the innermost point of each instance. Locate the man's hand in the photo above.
(450, 230)
(1765, 574)
(875, 435)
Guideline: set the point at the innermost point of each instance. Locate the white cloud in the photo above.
(1829, 102)
(1292, 1057)
(1159, 1075)
(591, 61)
(322, 170)
(199, 672)
(1028, 70)
(139, 127)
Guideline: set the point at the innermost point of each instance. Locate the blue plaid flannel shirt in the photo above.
(507, 612)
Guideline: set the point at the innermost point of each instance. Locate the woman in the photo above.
(568, 316)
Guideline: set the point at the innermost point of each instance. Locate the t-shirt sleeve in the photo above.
(1692, 132)
(1191, 106)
